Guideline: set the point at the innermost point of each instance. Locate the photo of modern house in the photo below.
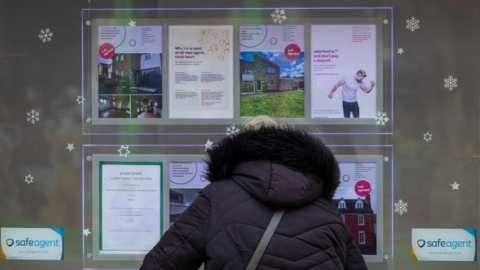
(147, 106)
(131, 74)
(361, 220)
(270, 71)
(114, 106)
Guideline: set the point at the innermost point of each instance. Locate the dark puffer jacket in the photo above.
(252, 175)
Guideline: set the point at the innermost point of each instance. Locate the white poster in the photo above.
(31, 244)
(343, 71)
(130, 217)
(201, 71)
(444, 244)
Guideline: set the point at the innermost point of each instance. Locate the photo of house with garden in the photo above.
(130, 74)
(271, 84)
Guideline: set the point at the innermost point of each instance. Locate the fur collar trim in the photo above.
(289, 147)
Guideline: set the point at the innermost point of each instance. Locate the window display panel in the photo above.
(312, 69)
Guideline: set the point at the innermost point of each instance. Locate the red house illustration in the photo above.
(361, 221)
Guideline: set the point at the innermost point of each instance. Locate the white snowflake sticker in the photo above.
(413, 24)
(86, 232)
(400, 51)
(29, 179)
(427, 136)
(401, 207)
(381, 118)
(33, 116)
(132, 23)
(450, 83)
(232, 131)
(80, 99)
(124, 151)
(208, 145)
(45, 35)
(278, 16)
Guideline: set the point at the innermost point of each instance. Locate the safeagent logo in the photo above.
(10, 242)
(421, 243)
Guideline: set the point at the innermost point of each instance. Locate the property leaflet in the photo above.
(200, 71)
(131, 206)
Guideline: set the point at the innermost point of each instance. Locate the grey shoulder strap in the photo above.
(267, 235)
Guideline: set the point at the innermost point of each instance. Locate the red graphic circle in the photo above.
(106, 51)
(292, 51)
(362, 188)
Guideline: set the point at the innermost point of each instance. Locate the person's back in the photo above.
(252, 175)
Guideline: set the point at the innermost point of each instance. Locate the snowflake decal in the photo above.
(400, 51)
(45, 35)
(413, 24)
(33, 116)
(318, 85)
(29, 179)
(123, 151)
(232, 131)
(381, 118)
(208, 145)
(80, 99)
(427, 136)
(401, 207)
(278, 16)
(450, 83)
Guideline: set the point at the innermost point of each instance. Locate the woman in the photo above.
(267, 166)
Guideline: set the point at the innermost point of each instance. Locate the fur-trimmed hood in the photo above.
(280, 166)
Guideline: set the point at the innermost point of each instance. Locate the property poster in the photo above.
(356, 200)
(130, 72)
(201, 72)
(272, 70)
(338, 53)
(187, 179)
(131, 206)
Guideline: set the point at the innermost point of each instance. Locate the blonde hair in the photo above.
(260, 121)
